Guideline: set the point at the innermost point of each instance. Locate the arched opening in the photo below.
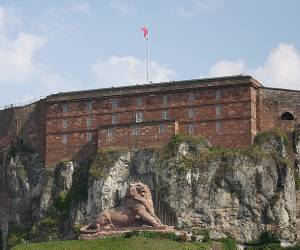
(287, 116)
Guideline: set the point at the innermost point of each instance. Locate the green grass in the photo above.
(134, 243)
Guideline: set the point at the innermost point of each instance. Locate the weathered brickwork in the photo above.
(228, 111)
(273, 104)
(24, 125)
(137, 135)
(222, 110)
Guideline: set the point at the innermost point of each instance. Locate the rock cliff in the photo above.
(231, 192)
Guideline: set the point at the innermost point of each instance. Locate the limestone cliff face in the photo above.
(231, 193)
(238, 193)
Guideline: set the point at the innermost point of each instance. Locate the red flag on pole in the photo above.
(145, 30)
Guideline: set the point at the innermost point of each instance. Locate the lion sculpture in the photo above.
(137, 211)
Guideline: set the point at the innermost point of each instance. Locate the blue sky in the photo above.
(64, 45)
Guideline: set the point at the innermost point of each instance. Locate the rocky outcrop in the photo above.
(232, 194)
(237, 193)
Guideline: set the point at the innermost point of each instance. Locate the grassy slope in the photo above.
(135, 243)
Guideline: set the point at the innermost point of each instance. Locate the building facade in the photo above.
(228, 111)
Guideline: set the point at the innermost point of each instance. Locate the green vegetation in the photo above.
(229, 244)
(18, 234)
(200, 153)
(152, 235)
(20, 148)
(268, 241)
(63, 203)
(266, 136)
(132, 243)
(103, 161)
(78, 191)
(203, 232)
(297, 182)
(46, 229)
(194, 142)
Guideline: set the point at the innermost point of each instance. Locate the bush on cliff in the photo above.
(20, 148)
(102, 162)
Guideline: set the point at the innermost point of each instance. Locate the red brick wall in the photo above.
(25, 124)
(273, 103)
(77, 147)
(148, 134)
(234, 120)
(228, 112)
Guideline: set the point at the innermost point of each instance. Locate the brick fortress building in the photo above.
(229, 111)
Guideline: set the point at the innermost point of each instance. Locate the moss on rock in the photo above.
(103, 161)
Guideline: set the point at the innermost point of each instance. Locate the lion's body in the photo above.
(138, 210)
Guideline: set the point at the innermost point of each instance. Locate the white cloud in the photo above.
(82, 7)
(224, 67)
(281, 69)
(118, 71)
(123, 6)
(21, 73)
(193, 8)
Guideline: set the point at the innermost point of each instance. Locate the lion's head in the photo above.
(138, 189)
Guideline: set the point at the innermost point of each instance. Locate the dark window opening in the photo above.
(287, 116)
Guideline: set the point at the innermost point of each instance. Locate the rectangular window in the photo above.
(139, 101)
(135, 130)
(65, 123)
(191, 128)
(218, 126)
(89, 106)
(110, 135)
(138, 116)
(161, 128)
(114, 118)
(114, 103)
(218, 111)
(65, 108)
(89, 136)
(165, 100)
(165, 114)
(218, 94)
(64, 139)
(191, 98)
(89, 120)
(191, 113)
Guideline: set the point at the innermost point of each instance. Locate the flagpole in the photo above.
(148, 58)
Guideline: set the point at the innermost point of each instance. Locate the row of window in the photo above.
(89, 137)
(139, 116)
(136, 132)
(139, 101)
(89, 107)
(161, 130)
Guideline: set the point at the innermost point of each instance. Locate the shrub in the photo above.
(103, 161)
(23, 148)
(229, 244)
(193, 142)
(268, 135)
(297, 183)
(204, 232)
(267, 238)
(152, 235)
(131, 234)
(63, 203)
(18, 234)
